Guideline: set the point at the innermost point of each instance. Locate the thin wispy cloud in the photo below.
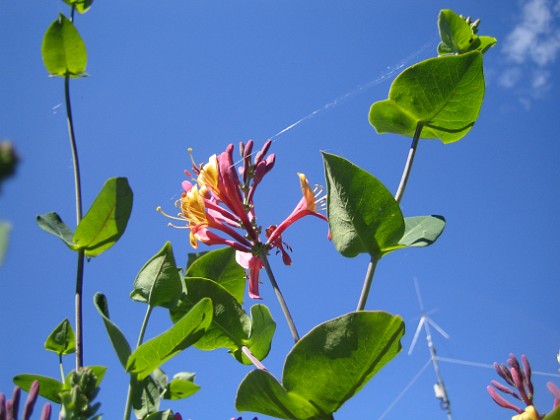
(532, 47)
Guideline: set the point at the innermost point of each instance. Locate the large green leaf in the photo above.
(158, 283)
(53, 224)
(221, 267)
(48, 387)
(63, 50)
(363, 215)
(325, 368)
(443, 95)
(184, 333)
(62, 339)
(118, 339)
(107, 218)
(458, 36)
(231, 327)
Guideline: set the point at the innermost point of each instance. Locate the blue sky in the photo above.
(203, 74)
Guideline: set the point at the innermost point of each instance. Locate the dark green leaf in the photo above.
(53, 224)
(63, 50)
(118, 340)
(81, 6)
(325, 368)
(62, 339)
(422, 230)
(221, 267)
(187, 331)
(107, 218)
(181, 386)
(48, 387)
(363, 215)
(443, 94)
(146, 396)
(158, 283)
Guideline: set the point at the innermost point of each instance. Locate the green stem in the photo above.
(61, 367)
(133, 380)
(78, 195)
(367, 284)
(409, 161)
(279, 296)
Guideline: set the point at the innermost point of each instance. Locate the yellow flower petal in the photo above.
(307, 192)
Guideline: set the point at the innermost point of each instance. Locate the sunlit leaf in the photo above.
(184, 333)
(81, 6)
(106, 220)
(181, 386)
(62, 339)
(363, 215)
(158, 283)
(63, 50)
(325, 368)
(458, 37)
(48, 387)
(444, 95)
(53, 224)
(118, 340)
(221, 267)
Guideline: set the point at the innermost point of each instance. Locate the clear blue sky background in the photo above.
(165, 76)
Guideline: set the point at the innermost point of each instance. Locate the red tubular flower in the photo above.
(218, 208)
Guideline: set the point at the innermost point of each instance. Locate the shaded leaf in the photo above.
(444, 95)
(363, 215)
(106, 220)
(62, 339)
(53, 224)
(63, 50)
(422, 230)
(158, 283)
(325, 368)
(146, 396)
(118, 339)
(181, 386)
(220, 266)
(161, 415)
(48, 387)
(185, 332)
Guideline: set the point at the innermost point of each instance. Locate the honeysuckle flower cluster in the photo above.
(518, 378)
(217, 205)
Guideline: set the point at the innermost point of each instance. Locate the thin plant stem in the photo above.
(133, 380)
(367, 284)
(61, 367)
(409, 161)
(258, 364)
(280, 297)
(78, 194)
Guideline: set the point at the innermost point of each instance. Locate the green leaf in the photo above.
(107, 218)
(4, 235)
(325, 368)
(363, 215)
(63, 50)
(553, 415)
(181, 386)
(62, 339)
(158, 283)
(48, 387)
(458, 37)
(161, 415)
(221, 267)
(146, 395)
(443, 94)
(53, 224)
(81, 6)
(231, 328)
(187, 331)
(422, 230)
(118, 339)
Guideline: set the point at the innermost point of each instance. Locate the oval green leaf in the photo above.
(106, 220)
(62, 339)
(184, 333)
(48, 387)
(53, 224)
(443, 94)
(63, 50)
(422, 231)
(220, 266)
(458, 37)
(118, 340)
(326, 367)
(158, 283)
(363, 215)
(181, 386)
